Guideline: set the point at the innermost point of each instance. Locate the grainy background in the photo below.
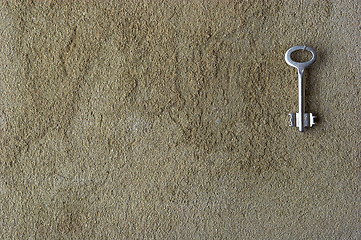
(169, 120)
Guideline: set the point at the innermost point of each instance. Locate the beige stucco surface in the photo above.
(169, 120)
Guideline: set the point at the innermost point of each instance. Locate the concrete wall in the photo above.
(169, 120)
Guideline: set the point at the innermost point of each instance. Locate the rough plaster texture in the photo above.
(169, 120)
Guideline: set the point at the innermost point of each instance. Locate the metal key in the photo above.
(301, 119)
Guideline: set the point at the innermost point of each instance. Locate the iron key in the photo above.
(301, 119)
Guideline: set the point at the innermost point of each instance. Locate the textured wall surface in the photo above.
(169, 120)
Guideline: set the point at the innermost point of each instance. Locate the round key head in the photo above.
(299, 65)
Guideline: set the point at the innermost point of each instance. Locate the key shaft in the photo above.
(301, 99)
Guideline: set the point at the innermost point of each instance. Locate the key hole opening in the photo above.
(301, 56)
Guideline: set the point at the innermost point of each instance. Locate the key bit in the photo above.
(301, 119)
(309, 120)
